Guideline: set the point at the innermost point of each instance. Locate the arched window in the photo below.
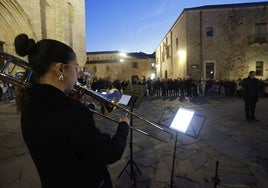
(135, 65)
(71, 20)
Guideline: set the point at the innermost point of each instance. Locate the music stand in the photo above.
(124, 100)
(181, 120)
(133, 98)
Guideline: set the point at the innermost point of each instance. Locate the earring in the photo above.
(61, 78)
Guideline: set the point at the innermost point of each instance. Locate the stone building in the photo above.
(122, 66)
(220, 42)
(63, 20)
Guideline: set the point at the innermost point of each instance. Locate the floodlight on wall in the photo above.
(153, 75)
(123, 54)
(182, 54)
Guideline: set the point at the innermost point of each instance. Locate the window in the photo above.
(177, 44)
(87, 62)
(260, 32)
(1, 50)
(259, 68)
(163, 55)
(2, 46)
(107, 68)
(168, 51)
(210, 70)
(166, 74)
(71, 21)
(95, 69)
(209, 31)
(135, 65)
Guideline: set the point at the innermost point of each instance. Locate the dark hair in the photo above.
(251, 72)
(43, 53)
(40, 55)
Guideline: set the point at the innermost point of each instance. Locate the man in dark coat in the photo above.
(250, 89)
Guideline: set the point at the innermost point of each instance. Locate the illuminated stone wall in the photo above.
(117, 66)
(63, 20)
(232, 47)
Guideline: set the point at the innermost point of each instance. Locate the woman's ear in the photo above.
(58, 68)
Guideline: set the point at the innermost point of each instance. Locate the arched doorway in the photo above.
(13, 22)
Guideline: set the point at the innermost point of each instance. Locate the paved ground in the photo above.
(240, 147)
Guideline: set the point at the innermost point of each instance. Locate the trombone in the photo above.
(109, 104)
(108, 101)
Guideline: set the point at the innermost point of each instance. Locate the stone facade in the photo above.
(220, 42)
(63, 20)
(120, 66)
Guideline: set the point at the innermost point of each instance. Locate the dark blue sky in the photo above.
(135, 25)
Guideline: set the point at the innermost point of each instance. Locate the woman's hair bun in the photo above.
(23, 45)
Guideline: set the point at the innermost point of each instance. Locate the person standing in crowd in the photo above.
(238, 87)
(11, 92)
(5, 93)
(66, 146)
(250, 93)
(1, 90)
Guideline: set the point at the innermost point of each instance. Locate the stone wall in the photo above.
(179, 48)
(61, 20)
(164, 60)
(114, 65)
(231, 47)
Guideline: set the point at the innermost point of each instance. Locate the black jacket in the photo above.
(66, 146)
(250, 89)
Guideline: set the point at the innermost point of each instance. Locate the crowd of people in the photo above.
(157, 87)
(178, 87)
(7, 92)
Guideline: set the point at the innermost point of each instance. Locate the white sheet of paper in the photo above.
(182, 120)
(124, 99)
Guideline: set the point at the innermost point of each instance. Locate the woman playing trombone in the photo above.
(60, 133)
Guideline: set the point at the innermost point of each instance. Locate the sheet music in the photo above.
(182, 120)
(124, 99)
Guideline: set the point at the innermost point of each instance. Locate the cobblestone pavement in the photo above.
(240, 147)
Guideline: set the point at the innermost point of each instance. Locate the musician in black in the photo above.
(250, 92)
(66, 146)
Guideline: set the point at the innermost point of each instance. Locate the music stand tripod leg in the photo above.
(173, 161)
(124, 169)
(131, 161)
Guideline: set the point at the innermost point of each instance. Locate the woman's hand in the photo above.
(90, 105)
(124, 119)
(77, 95)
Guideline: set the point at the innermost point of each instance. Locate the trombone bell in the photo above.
(15, 70)
(112, 95)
